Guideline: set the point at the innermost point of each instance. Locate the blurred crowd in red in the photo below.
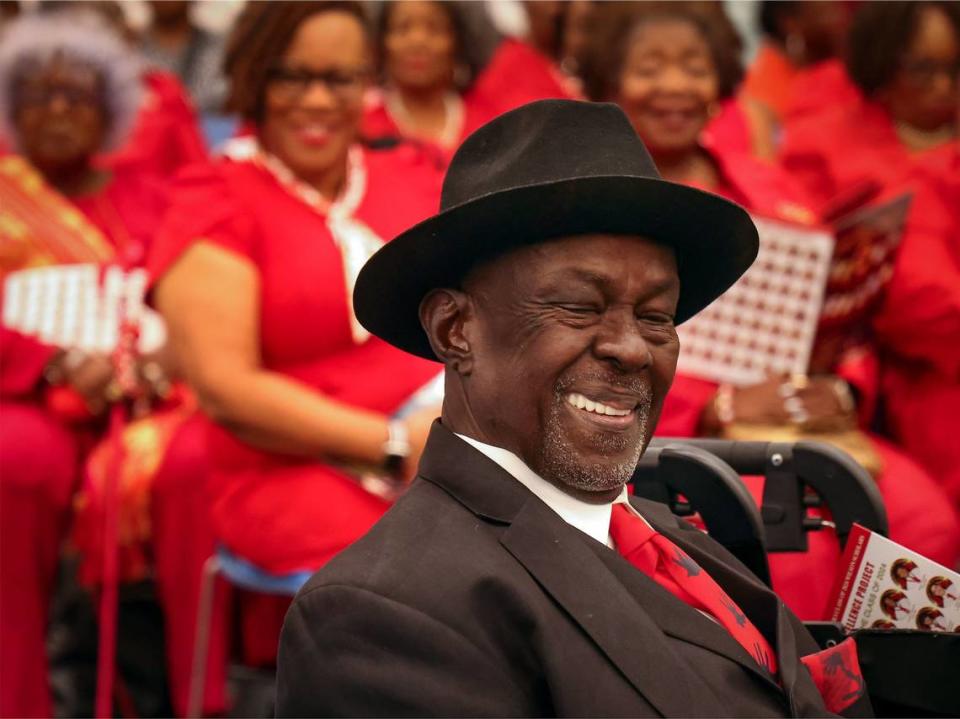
(251, 175)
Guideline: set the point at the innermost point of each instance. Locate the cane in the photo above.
(124, 361)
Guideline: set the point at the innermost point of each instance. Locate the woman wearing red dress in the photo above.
(918, 325)
(434, 91)
(526, 68)
(905, 58)
(427, 72)
(796, 70)
(664, 72)
(70, 89)
(254, 270)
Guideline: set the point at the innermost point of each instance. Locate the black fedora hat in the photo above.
(550, 169)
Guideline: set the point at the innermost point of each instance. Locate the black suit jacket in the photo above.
(472, 598)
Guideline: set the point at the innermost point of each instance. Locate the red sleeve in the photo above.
(763, 187)
(920, 315)
(22, 360)
(376, 122)
(824, 85)
(517, 74)
(203, 206)
(685, 402)
(729, 129)
(860, 368)
(166, 135)
(805, 156)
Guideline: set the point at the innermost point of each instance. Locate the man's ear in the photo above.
(443, 315)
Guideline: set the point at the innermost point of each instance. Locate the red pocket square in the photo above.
(836, 672)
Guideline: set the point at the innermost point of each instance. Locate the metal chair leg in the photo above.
(201, 639)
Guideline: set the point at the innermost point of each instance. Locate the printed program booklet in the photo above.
(884, 585)
(806, 299)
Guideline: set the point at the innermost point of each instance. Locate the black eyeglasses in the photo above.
(291, 84)
(40, 95)
(924, 72)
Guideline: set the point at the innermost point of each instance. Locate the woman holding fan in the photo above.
(69, 89)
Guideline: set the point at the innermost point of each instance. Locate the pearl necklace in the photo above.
(453, 113)
(918, 140)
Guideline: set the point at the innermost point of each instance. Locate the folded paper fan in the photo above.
(78, 306)
(767, 322)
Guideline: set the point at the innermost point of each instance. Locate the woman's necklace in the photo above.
(248, 149)
(355, 240)
(918, 140)
(453, 113)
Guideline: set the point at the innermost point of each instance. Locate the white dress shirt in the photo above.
(591, 519)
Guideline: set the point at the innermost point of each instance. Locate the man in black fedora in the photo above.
(515, 578)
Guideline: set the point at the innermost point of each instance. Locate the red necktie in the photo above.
(671, 568)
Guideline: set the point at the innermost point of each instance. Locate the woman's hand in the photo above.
(828, 403)
(90, 375)
(156, 372)
(821, 403)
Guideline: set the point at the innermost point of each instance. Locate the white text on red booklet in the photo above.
(884, 585)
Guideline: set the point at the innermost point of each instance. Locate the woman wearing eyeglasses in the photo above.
(255, 266)
(905, 58)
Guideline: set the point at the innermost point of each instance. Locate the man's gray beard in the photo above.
(561, 465)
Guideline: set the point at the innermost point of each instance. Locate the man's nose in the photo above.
(620, 341)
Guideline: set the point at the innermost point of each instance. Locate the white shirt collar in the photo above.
(591, 519)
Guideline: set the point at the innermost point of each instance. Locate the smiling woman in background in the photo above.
(427, 70)
(255, 267)
(667, 70)
(435, 91)
(903, 137)
(904, 57)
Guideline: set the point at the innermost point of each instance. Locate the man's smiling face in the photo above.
(573, 350)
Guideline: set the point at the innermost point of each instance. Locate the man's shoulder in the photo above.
(425, 543)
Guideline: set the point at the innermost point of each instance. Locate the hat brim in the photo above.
(714, 240)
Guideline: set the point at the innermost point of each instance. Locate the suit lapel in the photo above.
(764, 608)
(561, 560)
(624, 612)
(679, 620)
(563, 563)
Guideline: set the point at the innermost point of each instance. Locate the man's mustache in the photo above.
(638, 387)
